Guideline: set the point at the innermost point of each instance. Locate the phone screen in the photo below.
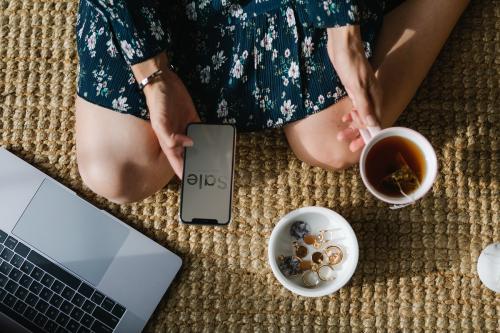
(207, 180)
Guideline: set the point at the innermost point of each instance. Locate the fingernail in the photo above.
(370, 121)
(340, 136)
(188, 144)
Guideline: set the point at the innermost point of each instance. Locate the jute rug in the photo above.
(417, 268)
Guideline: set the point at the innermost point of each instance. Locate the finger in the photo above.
(348, 134)
(347, 118)
(171, 141)
(356, 145)
(182, 140)
(358, 122)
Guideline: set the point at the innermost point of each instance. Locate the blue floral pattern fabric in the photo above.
(252, 63)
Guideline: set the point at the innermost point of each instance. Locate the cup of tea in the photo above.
(398, 165)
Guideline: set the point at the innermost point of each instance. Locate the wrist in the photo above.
(144, 69)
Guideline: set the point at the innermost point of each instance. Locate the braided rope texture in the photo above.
(417, 268)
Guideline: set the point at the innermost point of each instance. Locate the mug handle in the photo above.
(369, 132)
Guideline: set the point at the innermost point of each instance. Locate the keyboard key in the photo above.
(62, 319)
(27, 267)
(57, 287)
(66, 307)
(50, 326)
(11, 242)
(6, 254)
(15, 274)
(46, 294)
(68, 293)
(72, 326)
(40, 320)
(37, 274)
(87, 320)
(9, 300)
(36, 287)
(97, 297)
(47, 280)
(16, 260)
(20, 306)
(56, 300)
(2, 294)
(105, 317)
(54, 270)
(21, 293)
(86, 290)
(78, 299)
(88, 306)
(99, 327)
(42, 306)
(60, 329)
(30, 313)
(3, 236)
(31, 299)
(25, 281)
(107, 304)
(1, 248)
(3, 280)
(11, 286)
(76, 314)
(52, 312)
(83, 329)
(22, 249)
(5, 268)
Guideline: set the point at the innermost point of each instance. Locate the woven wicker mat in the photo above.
(417, 268)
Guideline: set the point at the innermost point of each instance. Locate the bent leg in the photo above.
(118, 155)
(411, 38)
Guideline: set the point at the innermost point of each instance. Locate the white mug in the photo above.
(372, 135)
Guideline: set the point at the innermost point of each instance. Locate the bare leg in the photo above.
(118, 155)
(411, 38)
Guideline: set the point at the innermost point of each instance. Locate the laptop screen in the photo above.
(71, 231)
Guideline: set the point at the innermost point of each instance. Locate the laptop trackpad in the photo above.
(71, 231)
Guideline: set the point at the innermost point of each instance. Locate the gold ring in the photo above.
(335, 254)
(325, 273)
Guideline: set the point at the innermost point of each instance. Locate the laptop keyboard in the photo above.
(46, 298)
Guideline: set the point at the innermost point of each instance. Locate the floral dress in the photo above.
(252, 63)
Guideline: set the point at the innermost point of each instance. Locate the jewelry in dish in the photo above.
(299, 229)
(310, 279)
(289, 265)
(335, 254)
(325, 273)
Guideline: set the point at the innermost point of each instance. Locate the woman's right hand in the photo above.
(171, 109)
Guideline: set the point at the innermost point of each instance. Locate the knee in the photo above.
(329, 158)
(108, 178)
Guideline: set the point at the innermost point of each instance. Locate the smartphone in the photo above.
(207, 180)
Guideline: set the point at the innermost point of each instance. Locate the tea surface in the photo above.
(392, 163)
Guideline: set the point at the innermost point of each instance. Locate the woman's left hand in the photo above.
(346, 53)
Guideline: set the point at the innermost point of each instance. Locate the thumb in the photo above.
(182, 140)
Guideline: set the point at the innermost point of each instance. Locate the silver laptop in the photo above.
(67, 266)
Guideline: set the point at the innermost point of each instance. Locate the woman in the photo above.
(297, 64)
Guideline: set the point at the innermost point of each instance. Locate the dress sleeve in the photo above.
(139, 27)
(332, 13)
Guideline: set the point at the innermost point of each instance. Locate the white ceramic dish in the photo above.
(318, 218)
